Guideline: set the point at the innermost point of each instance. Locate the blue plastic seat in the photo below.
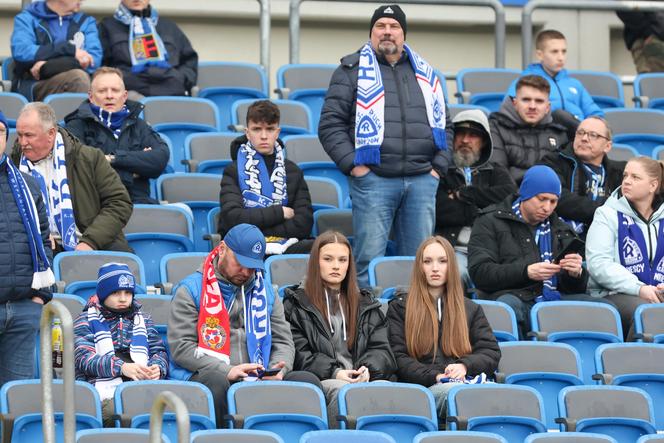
(484, 86)
(328, 169)
(640, 128)
(85, 288)
(325, 193)
(502, 319)
(152, 246)
(285, 270)
(347, 436)
(649, 323)
(605, 88)
(569, 437)
(295, 117)
(306, 83)
(457, 108)
(649, 90)
(175, 267)
(390, 272)
(65, 103)
(115, 435)
(235, 436)
(458, 437)
(654, 438)
(11, 104)
(208, 146)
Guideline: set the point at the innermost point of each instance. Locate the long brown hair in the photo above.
(422, 314)
(314, 286)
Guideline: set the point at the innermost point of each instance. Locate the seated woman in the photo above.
(340, 333)
(438, 336)
(624, 251)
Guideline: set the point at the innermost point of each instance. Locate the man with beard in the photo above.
(470, 184)
(384, 123)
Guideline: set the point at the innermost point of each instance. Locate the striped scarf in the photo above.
(146, 47)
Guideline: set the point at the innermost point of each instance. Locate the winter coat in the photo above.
(177, 80)
(270, 220)
(501, 248)
(641, 25)
(102, 206)
(408, 147)
(41, 35)
(315, 350)
(485, 351)
(134, 165)
(517, 145)
(567, 93)
(16, 270)
(603, 246)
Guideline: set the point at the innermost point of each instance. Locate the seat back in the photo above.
(630, 358)
(388, 272)
(71, 266)
(305, 148)
(368, 399)
(325, 192)
(502, 319)
(287, 269)
(158, 306)
(581, 402)
(65, 103)
(649, 322)
(20, 397)
(458, 437)
(457, 108)
(232, 75)
(491, 400)
(635, 121)
(486, 86)
(8, 68)
(188, 187)
(604, 87)
(115, 435)
(304, 76)
(347, 436)
(622, 152)
(209, 146)
(235, 436)
(11, 104)
(267, 397)
(650, 85)
(569, 437)
(295, 116)
(340, 220)
(73, 303)
(190, 110)
(522, 357)
(175, 267)
(576, 316)
(160, 218)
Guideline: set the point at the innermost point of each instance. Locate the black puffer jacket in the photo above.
(269, 220)
(134, 165)
(15, 258)
(484, 357)
(408, 147)
(501, 248)
(314, 350)
(517, 145)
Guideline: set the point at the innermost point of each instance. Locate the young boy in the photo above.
(263, 188)
(567, 93)
(115, 340)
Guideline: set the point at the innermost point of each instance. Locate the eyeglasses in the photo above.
(592, 135)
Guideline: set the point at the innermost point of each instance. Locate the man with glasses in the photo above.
(586, 173)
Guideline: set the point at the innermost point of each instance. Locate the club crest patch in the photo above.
(213, 334)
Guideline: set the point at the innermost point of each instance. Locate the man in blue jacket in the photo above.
(54, 47)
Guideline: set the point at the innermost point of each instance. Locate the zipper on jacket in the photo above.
(403, 119)
(562, 98)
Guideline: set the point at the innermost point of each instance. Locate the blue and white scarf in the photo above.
(146, 47)
(57, 196)
(543, 240)
(260, 190)
(112, 120)
(138, 349)
(42, 274)
(595, 182)
(468, 175)
(370, 109)
(634, 253)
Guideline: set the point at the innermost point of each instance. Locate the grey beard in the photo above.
(465, 159)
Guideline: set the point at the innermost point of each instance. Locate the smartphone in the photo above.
(269, 372)
(576, 246)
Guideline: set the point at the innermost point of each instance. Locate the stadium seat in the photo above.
(73, 303)
(569, 437)
(295, 116)
(289, 409)
(390, 272)
(546, 367)
(305, 83)
(7, 70)
(285, 270)
(159, 308)
(643, 129)
(304, 148)
(328, 169)
(502, 319)
(65, 103)
(485, 87)
(649, 90)
(583, 325)
(207, 146)
(347, 436)
(325, 193)
(116, 435)
(235, 436)
(605, 87)
(622, 152)
(456, 108)
(11, 104)
(173, 268)
(213, 236)
(401, 410)
(623, 413)
(340, 220)
(458, 437)
(654, 438)
(649, 323)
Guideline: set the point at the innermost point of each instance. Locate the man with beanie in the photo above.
(385, 124)
(470, 184)
(115, 340)
(226, 326)
(25, 274)
(513, 245)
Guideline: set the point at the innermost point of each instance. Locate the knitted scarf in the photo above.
(59, 206)
(42, 274)
(370, 109)
(260, 190)
(146, 47)
(633, 251)
(112, 120)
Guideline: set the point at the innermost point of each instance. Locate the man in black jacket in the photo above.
(388, 129)
(586, 173)
(470, 184)
(110, 122)
(513, 244)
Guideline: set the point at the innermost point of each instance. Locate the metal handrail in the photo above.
(265, 25)
(164, 399)
(294, 23)
(586, 5)
(51, 310)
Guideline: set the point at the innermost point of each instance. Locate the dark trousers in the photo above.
(626, 305)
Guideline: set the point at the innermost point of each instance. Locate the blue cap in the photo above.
(539, 179)
(114, 277)
(3, 120)
(248, 244)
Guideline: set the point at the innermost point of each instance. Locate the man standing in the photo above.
(112, 123)
(87, 205)
(225, 326)
(54, 47)
(385, 124)
(25, 274)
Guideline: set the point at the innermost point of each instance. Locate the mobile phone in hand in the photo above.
(269, 372)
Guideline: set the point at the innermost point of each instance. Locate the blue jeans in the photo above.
(19, 324)
(406, 205)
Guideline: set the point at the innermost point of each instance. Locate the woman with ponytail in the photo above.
(438, 336)
(625, 243)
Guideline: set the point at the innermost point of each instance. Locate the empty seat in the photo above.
(328, 169)
(235, 436)
(569, 437)
(622, 152)
(390, 272)
(458, 437)
(285, 270)
(203, 148)
(649, 90)
(73, 266)
(305, 148)
(643, 129)
(115, 435)
(175, 267)
(485, 87)
(340, 220)
(305, 83)
(65, 103)
(502, 319)
(347, 436)
(295, 116)
(604, 87)
(325, 193)
(649, 323)
(11, 104)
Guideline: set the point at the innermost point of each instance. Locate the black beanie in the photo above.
(390, 11)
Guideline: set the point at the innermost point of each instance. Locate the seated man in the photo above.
(152, 52)
(53, 45)
(567, 93)
(523, 131)
(513, 245)
(263, 188)
(86, 203)
(207, 334)
(470, 184)
(112, 123)
(587, 175)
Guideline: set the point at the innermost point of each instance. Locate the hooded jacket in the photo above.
(41, 34)
(134, 165)
(603, 248)
(567, 93)
(315, 350)
(518, 145)
(457, 203)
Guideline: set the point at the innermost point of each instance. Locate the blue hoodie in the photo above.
(567, 93)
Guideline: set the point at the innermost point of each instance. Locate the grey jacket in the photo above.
(408, 147)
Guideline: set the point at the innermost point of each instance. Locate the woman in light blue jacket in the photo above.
(625, 243)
